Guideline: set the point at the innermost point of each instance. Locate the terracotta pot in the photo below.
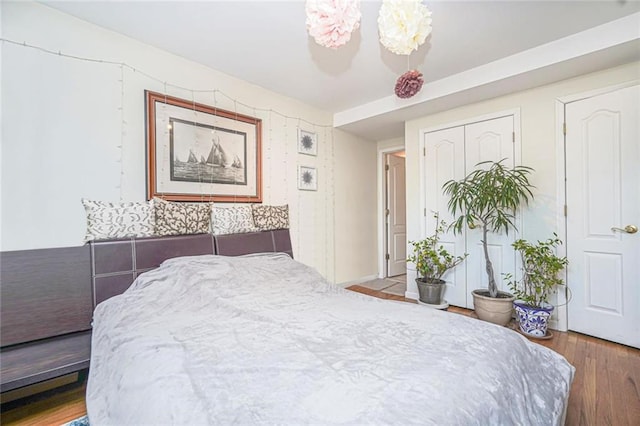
(497, 310)
(431, 290)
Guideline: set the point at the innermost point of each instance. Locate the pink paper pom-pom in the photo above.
(409, 84)
(331, 22)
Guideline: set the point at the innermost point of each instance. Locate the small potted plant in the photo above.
(540, 270)
(488, 198)
(432, 261)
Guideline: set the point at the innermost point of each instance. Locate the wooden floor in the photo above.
(56, 409)
(605, 391)
(606, 387)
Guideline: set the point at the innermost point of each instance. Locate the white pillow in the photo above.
(118, 220)
(232, 220)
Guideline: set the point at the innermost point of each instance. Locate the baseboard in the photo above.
(357, 281)
(411, 295)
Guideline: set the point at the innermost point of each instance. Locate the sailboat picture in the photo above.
(207, 154)
(197, 152)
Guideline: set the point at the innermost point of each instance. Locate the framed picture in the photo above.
(307, 178)
(307, 142)
(196, 152)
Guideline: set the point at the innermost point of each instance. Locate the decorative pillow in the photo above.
(118, 220)
(268, 218)
(232, 220)
(173, 218)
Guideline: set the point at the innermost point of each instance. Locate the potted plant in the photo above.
(432, 261)
(540, 269)
(490, 197)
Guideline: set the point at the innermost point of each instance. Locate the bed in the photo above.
(263, 339)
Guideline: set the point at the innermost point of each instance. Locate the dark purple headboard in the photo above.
(115, 264)
(255, 242)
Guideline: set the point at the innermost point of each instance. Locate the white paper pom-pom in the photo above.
(403, 25)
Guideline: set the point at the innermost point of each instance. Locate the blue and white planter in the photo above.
(533, 321)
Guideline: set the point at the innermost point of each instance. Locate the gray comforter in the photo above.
(263, 339)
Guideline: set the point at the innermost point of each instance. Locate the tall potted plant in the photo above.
(432, 262)
(540, 269)
(489, 197)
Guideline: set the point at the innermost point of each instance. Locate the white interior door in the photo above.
(397, 216)
(490, 140)
(603, 181)
(444, 160)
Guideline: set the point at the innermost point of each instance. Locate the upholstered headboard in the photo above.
(255, 242)
(116, 263)
(47, 296)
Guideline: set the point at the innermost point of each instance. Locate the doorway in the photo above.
(394, 214)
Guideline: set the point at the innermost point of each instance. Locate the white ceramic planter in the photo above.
(533, 321)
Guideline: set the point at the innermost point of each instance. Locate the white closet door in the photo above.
(603, 178)
(444, 160)
(490, 140)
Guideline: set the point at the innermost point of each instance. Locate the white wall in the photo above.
(74, 129)
(356, 194)
(538, 126)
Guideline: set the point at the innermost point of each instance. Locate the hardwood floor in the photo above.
(605, 391)
(55, 409)
(606, 387)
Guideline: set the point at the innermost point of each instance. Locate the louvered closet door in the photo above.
(444, 160)
(490, 140)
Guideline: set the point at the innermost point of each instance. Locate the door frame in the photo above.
(382, 193)
(562, 323)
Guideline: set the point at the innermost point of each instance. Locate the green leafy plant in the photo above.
(489, 196)
(432, 260)
(540, 269)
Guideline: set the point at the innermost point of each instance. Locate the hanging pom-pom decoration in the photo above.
(409, 84)
(403, 25)
(331, 22)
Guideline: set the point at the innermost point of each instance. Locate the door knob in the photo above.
(629, 229)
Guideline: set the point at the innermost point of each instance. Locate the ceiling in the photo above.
(266, 43)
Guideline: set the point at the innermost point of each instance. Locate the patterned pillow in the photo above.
(118, 220)
(173, 218)
(232, 220)
(267, 218)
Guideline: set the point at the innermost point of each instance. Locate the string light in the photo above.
(333, 205)
(122, 132)
(316, 211)
(299, 197)
(329, 178)
(165, 154)
(270, 139)
(326, 203)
